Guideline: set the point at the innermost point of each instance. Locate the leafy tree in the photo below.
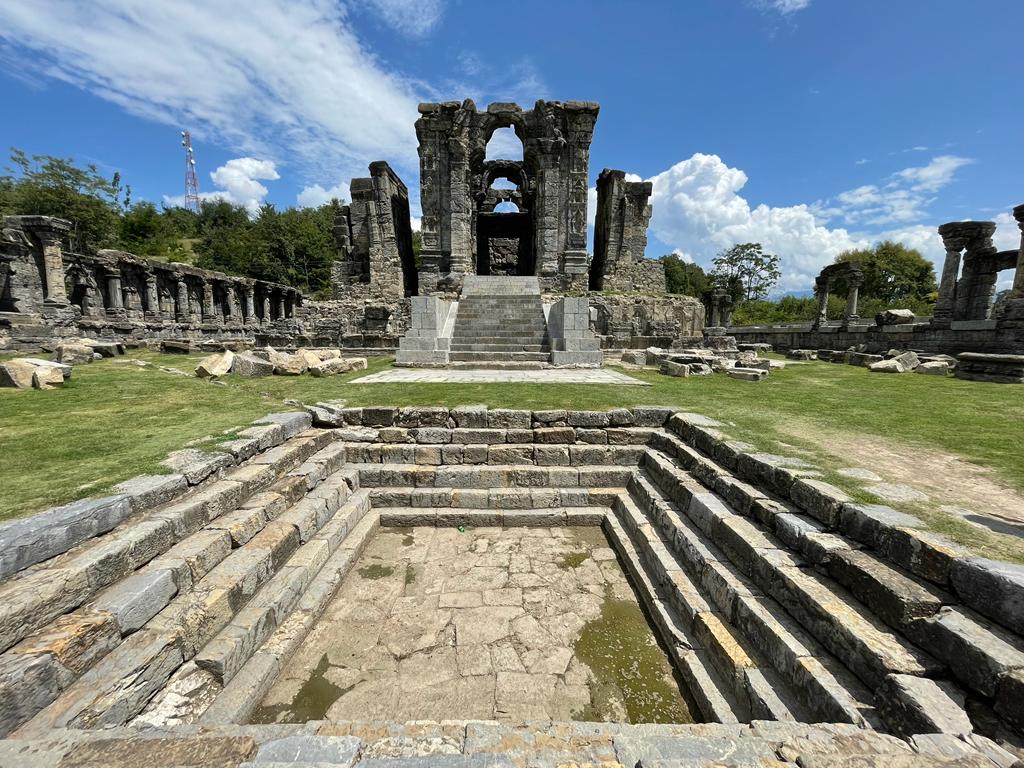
(746, 271)
(51, 186)
(893, 273)
(145, 231)
(684, 277)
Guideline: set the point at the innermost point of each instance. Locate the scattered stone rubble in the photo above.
(177, 601)
(37, 373)
(267, 361)
(737, 363)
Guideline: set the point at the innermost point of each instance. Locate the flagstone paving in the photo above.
(437, 623)
(489, 376)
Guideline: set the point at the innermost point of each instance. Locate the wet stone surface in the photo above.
(495, 624)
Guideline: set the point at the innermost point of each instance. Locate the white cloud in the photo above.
(277, 79)
(314, 196)
(785, 7)
(682, 255)
(413, 18)
(902, 199)
(238, 182)
(698, 210)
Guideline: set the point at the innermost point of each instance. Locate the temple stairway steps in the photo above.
(500, 328)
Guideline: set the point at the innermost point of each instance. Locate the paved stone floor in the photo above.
(485, 376)
(489, 623)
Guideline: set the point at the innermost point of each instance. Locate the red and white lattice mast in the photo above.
(191, 182)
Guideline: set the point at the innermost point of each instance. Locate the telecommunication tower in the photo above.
(191, 182)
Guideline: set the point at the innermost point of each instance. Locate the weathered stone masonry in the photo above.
(620, 237)
(46, 293)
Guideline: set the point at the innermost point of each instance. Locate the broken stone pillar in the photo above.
(250, 304)
(266, 309)
(976, 288)
(152, 296)
(821, 288)
(620, 236)
(280, 306)
(954, 238)
(114, 295)
(210, 314)
(1018, 277)
(50, 232)
(182, 308)
(855, 280)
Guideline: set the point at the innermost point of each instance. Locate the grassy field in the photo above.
(116, 419)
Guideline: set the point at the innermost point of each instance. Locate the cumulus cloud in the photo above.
(237, 181)
(699, 211)
(279, 79)
(314, 196)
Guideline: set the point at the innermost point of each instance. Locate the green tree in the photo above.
(683, 276)
(893, 273)
(51, 186)
(746, 271)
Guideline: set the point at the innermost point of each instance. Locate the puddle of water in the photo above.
(312, 701)
(375, 571)
(573, 560)
(632, 678)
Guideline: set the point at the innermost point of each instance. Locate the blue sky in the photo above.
(811, 126)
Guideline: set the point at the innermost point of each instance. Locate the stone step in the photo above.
(822, 685)
(512, 338)
(582, 514)
(712, 694)
(64, 583)
(498, 333)
(234, 645)
(501, 365)
(483, 478)
(626, 455)
(450, 504)
(823, 607)
(499, 347)
(240, 697)
(116, 688)
(501, 357)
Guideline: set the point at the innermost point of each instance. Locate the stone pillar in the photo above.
(1018, 277)
(250, 304)
(114, 294)
(152, 296)
(182, 310)
(821, 287)
(715, 317)
(953, 240)
(210, 314)
(50, 232)
(280, 306)
(266, 309)
(852, 296)
(976, 288)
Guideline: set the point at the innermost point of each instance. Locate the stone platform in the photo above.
(497, 376)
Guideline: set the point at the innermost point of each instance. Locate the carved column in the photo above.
(152, 296)
(976, 288)
(852, 296)
(182, 308)
(953, 240)
(266, 309)
(210, 314)
(821, 288)
(250, 304)
(115, 297)
(280, 306)
(50, 232)
(1018, 277)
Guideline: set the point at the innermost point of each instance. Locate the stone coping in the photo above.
(489, 744)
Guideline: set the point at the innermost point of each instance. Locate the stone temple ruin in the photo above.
(225, 614)
(381, 289)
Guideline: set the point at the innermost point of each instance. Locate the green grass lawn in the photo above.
(114, 420)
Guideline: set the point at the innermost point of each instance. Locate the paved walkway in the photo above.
(485, 376)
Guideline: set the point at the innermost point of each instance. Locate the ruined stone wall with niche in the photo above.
(453, 139)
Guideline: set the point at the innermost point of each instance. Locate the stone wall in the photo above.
(640, 321)
(961, 336)
(374, 238)
(51, 294)
(620, 237)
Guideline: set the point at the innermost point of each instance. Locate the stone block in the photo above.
(251, 366)
(868, 523)
(549, 417)
(887, 366)
(651, 415)
(503, 418)
(934, 368)
(135, 600)
(215, 366)
(28, 683)
(911, 705)
(587, 418)
(292, 422)
(550, 435)
(378, 416)
(339, 751)
(148, 491)
(470, 416)
(819, 499)
(16, 374)
(47, 377)
(993, 588)
(197, 465)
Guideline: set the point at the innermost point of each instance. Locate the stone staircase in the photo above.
(500, 320)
